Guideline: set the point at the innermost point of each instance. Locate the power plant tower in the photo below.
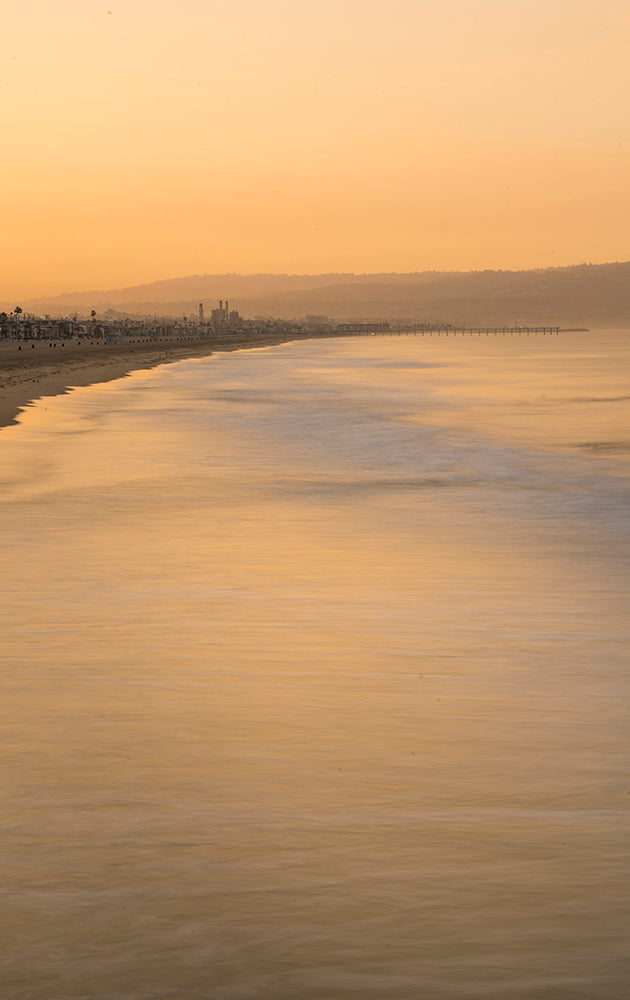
(201, 312)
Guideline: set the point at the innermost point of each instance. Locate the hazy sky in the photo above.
(144, 140)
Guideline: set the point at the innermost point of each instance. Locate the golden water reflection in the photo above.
(306, 698)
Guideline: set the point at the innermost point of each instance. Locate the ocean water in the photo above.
(316, 676)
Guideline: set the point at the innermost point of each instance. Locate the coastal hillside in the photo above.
(585, 295)
(171, 296)
(582, 295)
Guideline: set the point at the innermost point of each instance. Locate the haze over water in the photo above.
(316, 676)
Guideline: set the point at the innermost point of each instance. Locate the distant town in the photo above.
(221, 325)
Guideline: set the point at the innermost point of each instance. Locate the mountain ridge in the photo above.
(573, 295)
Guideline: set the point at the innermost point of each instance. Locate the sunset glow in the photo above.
(151, 140)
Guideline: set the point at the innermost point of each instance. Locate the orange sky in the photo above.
(151, 140)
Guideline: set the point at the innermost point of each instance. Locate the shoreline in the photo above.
(29, 373)
(30, 370)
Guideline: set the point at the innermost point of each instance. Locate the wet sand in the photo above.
(32, 370)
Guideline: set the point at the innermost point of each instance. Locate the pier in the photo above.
(444, 330)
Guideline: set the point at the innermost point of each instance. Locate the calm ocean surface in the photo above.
(316, 676)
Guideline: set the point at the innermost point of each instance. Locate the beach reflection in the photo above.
(316, 678)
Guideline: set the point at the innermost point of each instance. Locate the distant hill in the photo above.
(583, 295)
(199, 287)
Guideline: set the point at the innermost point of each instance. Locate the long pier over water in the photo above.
(424, 329)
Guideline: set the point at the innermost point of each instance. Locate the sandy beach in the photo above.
(29, 371)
